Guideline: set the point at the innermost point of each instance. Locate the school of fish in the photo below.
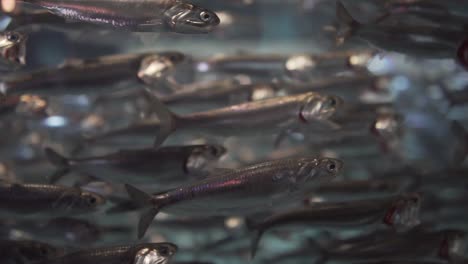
(236, 131)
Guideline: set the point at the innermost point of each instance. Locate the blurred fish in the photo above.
(25, 105)
(400, 212)
(78, 76)
(46, 200)
(413, 245)
(280, 112)
(251, 189)
(148, 253)
(12, 50)
(26, 17)
(26, 251)
(357, 188)
(413, 40)
(166, 166)
(65, 230)
(142, 16)
(433, 12)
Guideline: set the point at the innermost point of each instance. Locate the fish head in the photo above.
(404, 213)
(87, 201)
(202, 157)
(318, 169)
(387, 126)
(157, 67)
(35, 251)
(190, 19)
(156, 253)
(319, 107)
(328, 168)
(13, 47)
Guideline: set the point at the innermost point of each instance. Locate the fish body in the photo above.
(167, 165)
(26, 251)
(252, 189)
(66, 230)
(250, 117)
(12, 50)
(148, 253)
(80, 76)
(414, 40)
(139, 16)
(401, 212)
(49, 200)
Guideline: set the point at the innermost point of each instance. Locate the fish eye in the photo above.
(164, 251)
(92, 200)
(331, 167)
(205, 16)
(332, 101)
(13, 37)
(43, 251)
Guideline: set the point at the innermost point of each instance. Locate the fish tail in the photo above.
(145, 200)
(167, 118)
(61, 162)
(347, 25)
(257, 231)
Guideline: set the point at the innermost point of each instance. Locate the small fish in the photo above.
(400, 212)
(414, 40)
(167, 165)
(433, 12)
(12, 50)
(215, 92)
(78, 76)
(415, 244)
(26, 251)
(50, 200)
(147, 253)
(140, 16)
(71, 231)
(251, 189)
(280, 112)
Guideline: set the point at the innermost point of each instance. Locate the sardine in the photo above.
(80, 76)
(140, 16)
(166, 166)
(273, 113)
(12, 50)
(50, 200)
(148, 253)
(71, 231)
(400, 212)
(251, 189)
(26, 251)
(420, 41)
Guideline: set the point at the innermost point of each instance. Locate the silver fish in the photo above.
(139, 16)
(80, 76)
(27, 251)
(12, 50)
(71, 231)
(400, 212)
(166, 166)
(274, 113)
(420, 41)
(148, 253)
(36, 199)
(251, 189)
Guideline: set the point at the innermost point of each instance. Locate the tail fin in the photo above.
(258, 231)
(145, 200)
(62, 164)
(166, 117)
(346, 23)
